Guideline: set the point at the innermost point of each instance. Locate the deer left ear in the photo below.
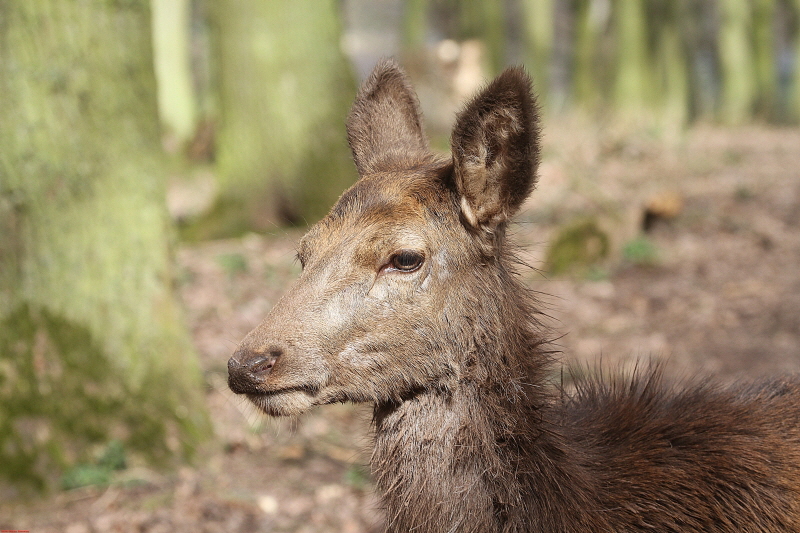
(495, 146)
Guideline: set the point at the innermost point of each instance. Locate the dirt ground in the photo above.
(718, 293)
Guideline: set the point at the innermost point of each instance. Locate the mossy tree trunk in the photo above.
(671, 61)
(633, 83)
(285, 88)
(177, 103)
(92, 346)
(415, 25)
(794, 90)
(764, 57)
(586, 88)
(540, 21)
(739, 84)
(486, 22)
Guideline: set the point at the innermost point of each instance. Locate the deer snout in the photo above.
(247, 369)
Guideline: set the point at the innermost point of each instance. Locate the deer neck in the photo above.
(473, 459)
(483, 452)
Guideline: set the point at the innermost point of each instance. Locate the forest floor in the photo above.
(713, 287)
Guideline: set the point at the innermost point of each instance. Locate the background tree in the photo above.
(739, 84)
(92, 346)
(415, 24)
(764, 57)
(588, 20)
(633, 83)
(794, 88)
(672, 71)
(284, 92)
(539, 23)
(177, 103)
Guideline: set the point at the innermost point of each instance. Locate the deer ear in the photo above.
(496, 150)
(385, 126)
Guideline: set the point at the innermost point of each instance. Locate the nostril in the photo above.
(260, 365)
(263, 364)
(247, 369)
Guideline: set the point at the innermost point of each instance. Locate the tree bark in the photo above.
(92, 346)
(587, 89)
(415, 25)
(540, 36)
(633, 84)
(671, 61)
(285, 88)
(177, 103)
(764, 57)
(794, 90)
(485, 21)
(736, 61)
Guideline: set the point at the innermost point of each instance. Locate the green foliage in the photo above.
(113, 457)
(84, 475)
(98, 472)
(640, 251)
(577, 247)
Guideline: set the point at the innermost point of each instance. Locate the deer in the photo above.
(410, 298)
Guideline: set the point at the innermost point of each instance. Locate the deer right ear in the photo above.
(495, 146)
(385, 126)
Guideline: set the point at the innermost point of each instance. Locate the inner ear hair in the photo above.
(495, 145)
(384, 126)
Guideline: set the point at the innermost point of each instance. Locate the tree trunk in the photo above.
(485, 21)
(285, 89)
(415, 25)
(92, 346)
(540, 36)
(794, 90)
(587, 89)
(633, 84)
(736, 61)
(673, 70)
(764, 57)
(177, 103)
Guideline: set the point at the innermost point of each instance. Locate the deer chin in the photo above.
(286, 402)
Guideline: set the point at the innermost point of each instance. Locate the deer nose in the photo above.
(247, 369)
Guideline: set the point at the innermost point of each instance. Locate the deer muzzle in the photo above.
(247, 370)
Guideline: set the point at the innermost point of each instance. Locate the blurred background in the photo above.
(159, 160)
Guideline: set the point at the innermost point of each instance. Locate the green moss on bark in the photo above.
(92, 346)
(62, 396)
(285, 88)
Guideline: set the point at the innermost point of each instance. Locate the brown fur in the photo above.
(469, 435)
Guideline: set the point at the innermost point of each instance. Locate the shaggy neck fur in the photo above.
(496, 449)
(470, 456)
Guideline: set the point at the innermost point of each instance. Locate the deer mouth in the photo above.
(308, 389)
(285, 401)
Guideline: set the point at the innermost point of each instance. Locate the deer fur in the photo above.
(409, 299)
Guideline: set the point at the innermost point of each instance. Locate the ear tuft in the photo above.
(385, 125)
(495, 146)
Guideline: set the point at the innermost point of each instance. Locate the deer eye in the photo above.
(406, 260)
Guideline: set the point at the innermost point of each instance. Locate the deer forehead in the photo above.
(378, 215)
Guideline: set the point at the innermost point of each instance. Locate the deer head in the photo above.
(403, 277)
